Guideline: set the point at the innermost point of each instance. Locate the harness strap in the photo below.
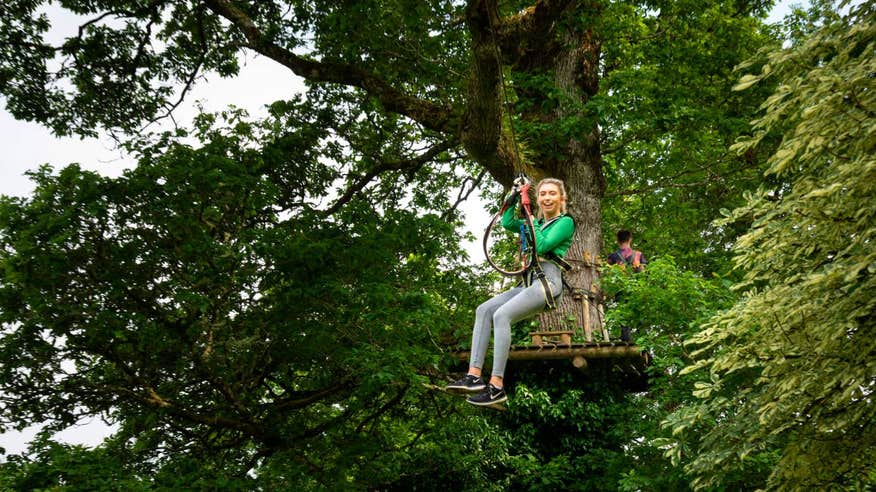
(634, 260)
(563, 264)
(535, 265)
(545, 288)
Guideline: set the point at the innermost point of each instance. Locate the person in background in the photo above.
(626, 256)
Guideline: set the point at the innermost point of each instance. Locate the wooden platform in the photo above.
(622, 358)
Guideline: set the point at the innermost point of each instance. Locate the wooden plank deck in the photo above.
(593, 350)
(589, 359)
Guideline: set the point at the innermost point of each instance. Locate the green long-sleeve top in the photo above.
(555, 235)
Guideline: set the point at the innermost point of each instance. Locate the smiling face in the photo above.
(550, 200)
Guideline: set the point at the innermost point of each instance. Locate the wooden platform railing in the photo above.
(563, 335)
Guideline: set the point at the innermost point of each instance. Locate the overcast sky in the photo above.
(26, 146)
(29, 145)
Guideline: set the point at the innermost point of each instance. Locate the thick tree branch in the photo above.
(406, 164)
(495, 42)
(152, 399)
(482, 130)
(304, 399)
(428, 114)
(529, 28)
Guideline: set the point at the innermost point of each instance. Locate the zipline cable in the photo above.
(521, 184)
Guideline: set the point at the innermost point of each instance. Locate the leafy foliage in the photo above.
(668, 117)
(256, 304)
(51, 464)
(132, 61)
(662, 301)
(663, 306)
(791, 365)
(182, 304)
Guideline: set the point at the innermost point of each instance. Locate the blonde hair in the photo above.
(560, 185)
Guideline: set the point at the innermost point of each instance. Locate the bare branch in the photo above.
(463, 195)
(383, 409)
(119, 14)
(190, 80)
(670, 183)
(405, 164)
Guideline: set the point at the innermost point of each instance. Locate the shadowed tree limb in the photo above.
(463, 194)
(405, 164)
(482, 129)
(530, 27)
(496, 41)
(428, 114)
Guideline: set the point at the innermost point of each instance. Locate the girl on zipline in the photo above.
(553, 232)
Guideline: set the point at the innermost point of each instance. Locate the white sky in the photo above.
(26, 146)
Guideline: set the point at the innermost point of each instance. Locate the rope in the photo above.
(533, 262)
(518, 162)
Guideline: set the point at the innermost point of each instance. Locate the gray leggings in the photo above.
(504, 309)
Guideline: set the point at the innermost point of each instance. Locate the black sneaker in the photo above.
(489, 396)
(468, 384)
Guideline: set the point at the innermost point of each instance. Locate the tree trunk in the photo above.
(576, 75)
(550, 38)
(575, 65)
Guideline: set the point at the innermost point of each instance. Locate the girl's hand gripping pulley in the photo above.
(526, 246)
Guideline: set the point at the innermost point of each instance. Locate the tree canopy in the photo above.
(791, 365)
(176, 302)
(258, 303)
(595, 93)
